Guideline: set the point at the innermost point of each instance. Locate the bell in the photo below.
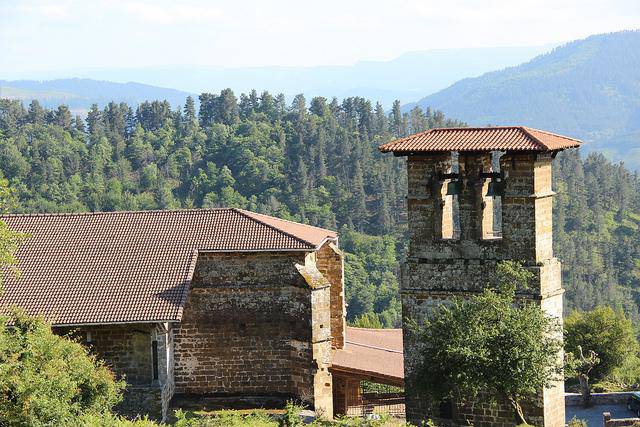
(496, 188)
(453, 188)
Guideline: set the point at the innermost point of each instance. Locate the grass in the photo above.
(289, 417)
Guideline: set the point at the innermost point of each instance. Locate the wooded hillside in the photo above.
(315, 162)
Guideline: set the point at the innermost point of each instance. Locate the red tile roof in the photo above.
(126, 267)
(373, 353)
(500, 138)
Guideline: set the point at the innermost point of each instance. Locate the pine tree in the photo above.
(227, 107)
(380, 120)
(189, 118)
(63, 117)
(396, 120)
(95, 125)
(359, 212)
(36, 114)
(321, 164)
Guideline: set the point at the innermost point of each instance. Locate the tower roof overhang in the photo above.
(480, 139)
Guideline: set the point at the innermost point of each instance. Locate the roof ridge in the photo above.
(286, 220)
(246, 215)
(535, 139)
(527, 128)
(374, 347)
(474, 128)
(99, 213)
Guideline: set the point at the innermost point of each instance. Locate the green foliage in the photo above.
(606, 332)
(291, 417)
(9, 243)
(369, 387)
(46, 379)
(596, 233)
(371, 266)
(108, 420)
(316, 162)
(9, 240)
(226, 419)
(486, 344)
(367, 320)
(575, 422)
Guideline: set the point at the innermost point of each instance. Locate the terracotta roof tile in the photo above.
(376, 353)
(131, 266)
(500, 138)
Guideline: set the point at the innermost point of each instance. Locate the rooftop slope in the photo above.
(131, 266)
(375, 353)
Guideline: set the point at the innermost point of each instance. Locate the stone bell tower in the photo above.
(477, 196)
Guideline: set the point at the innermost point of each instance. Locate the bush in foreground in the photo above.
(46, 379)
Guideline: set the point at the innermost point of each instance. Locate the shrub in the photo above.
(46, 379)
(575, 422)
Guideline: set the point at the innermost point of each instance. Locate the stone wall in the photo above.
(439, 267)
(253, 325)
(607, 421)
(128, 351)
(614, 398)
(330, 263)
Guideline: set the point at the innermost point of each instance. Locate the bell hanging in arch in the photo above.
(496, 188)
(453, 187)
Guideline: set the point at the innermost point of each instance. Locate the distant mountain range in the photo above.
(587, 88)
(407, 77)
(79, 94)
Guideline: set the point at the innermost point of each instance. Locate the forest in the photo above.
(310, 161)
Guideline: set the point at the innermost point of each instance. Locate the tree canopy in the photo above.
(46, 379)
(310, 160)
(604, 331)
(488, 347)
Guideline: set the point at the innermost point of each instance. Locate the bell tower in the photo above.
(478, 196)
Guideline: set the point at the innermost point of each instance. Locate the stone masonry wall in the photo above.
(329, 260)
(438, 268)
(127, 350)
(253, 326)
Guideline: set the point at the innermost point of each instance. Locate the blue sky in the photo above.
(68, 34)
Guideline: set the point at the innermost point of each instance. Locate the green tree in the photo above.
(488, 347)
(9, 240)
(36, 113)
(46, 379)
(367, 320)
(606, 333)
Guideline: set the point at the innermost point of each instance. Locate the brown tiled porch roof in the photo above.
(123, 267)
(374, 354)
(499, 138)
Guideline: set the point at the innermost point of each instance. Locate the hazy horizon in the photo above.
(39, 35)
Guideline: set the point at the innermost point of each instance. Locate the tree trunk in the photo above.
(585, 390)
(518, 411)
